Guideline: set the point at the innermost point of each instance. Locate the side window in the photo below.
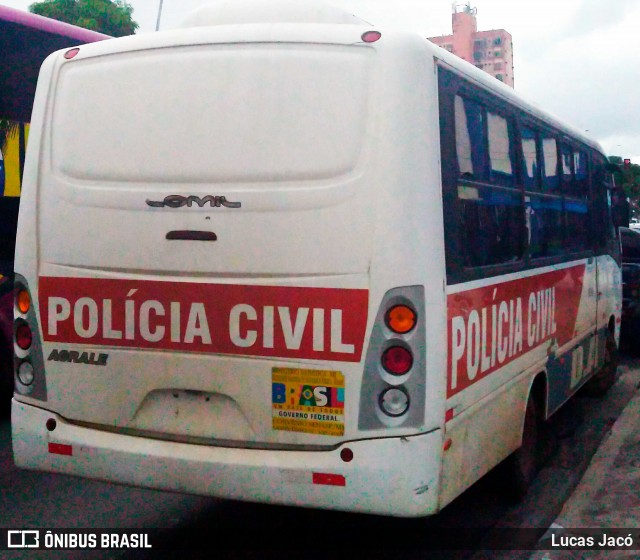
(491, 225)
(581, 179)
(499, 150)
(470, 139)
(517, 192)
(578, 221)
(577, 204)
(602, 183)
(544, 225)
(566, 167)
(543, 208)
(490, 211)
(550, 180)
(530, 159)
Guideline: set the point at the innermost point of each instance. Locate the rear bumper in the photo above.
(391, 476)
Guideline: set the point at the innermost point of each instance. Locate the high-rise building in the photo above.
(491, 51)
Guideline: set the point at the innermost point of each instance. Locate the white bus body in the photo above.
(215, 222)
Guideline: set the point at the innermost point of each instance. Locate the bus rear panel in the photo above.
(212, 268)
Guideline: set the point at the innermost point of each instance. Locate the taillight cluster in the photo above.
(23, 338)
(393, 386)
(397, 359)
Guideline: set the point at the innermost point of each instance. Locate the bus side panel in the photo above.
(483, 435)
(609, 293)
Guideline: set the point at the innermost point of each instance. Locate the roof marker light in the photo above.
(71, 53)
(370, 36)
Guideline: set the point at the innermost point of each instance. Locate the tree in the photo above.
(629, 180)
(105, 16)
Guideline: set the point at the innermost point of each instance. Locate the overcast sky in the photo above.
(578, 59)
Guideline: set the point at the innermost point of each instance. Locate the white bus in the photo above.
(287, 257)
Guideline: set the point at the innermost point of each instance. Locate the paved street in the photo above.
(30, 499)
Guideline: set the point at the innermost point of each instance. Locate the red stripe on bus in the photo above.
(491, 326)
(272, 321)
(60, 449)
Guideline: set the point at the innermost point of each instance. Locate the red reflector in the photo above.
(397, 360)
(346, 455)
(448, 444)
(371, 36)
(60, 449)
(448, 415)
(329, 479)
(23, 335)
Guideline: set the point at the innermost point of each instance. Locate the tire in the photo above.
(522, 466)
(602, 381)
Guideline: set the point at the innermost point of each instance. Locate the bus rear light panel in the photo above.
(27, 360)
(394, 378)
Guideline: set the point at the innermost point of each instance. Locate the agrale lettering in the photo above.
(75, 357)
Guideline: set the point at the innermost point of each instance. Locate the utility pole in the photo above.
(159, 14)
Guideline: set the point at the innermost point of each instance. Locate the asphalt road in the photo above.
(482, 516)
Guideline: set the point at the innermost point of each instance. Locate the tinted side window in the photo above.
(551, 179)
(491, 225)
(470, 139)
(577, 204)
(581, 178)
(544, 225)
(499, 150)
(578, 224)
(602, 183)
(530, 157)
(566, 166)
(489, 207)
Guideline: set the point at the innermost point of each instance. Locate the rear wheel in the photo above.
(522, 467)
(602, 381)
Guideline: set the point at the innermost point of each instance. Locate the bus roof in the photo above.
(25, 41)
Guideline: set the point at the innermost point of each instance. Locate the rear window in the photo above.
(221, 113)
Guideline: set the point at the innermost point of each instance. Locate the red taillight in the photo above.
(24, 337)
(397, 360)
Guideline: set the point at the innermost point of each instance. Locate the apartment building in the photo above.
(491, 51)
